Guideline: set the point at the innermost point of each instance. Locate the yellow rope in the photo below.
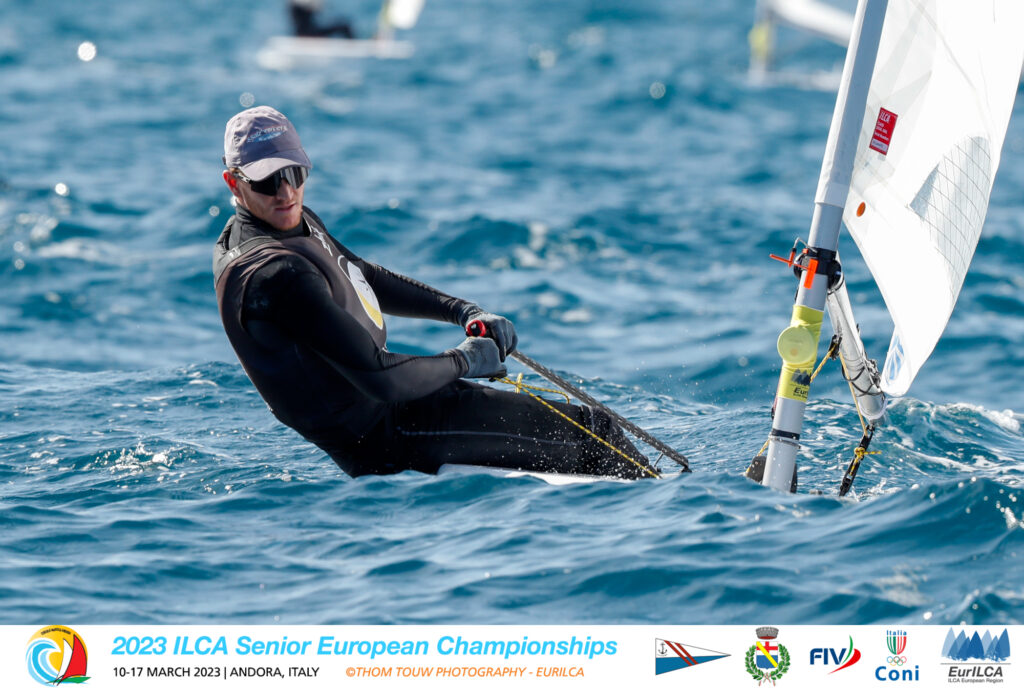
(832, 349)
(523, 387)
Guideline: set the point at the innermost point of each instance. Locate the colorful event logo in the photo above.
(56, 654)
(670, 655)
(845, 657)
(893, 669)
(978, 658)
(766, 661)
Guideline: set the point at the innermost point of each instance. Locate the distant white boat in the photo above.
(813, 17)
(289, 52)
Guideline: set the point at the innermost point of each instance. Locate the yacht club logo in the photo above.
(767, 660)
(670, 655)
(56, 654)
(976, 658)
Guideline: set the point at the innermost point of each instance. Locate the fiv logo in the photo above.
(896, 667)
(841, 659)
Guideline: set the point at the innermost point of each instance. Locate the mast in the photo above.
(798, 343)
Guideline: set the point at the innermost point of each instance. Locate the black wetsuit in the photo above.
(303, 313)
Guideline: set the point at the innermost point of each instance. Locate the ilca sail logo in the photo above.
(897, 666)
(976, 658)
(767, 660)
(670, 655)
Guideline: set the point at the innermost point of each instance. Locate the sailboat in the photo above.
(73, 663)
(289, 52)
(923, 106)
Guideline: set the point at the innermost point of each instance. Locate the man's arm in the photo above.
(295, 298)
(408, 298)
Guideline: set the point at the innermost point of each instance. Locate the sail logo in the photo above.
(672, 655)
(896, 667)
(884, 126)
(894, 362)
(767, 660)
(56, 654)
(976, 658)
(827, 656)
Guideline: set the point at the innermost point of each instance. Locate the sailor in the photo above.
(304, 314)
(304, 13)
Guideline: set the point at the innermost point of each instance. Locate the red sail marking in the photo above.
(854, 658)
(681, 651)
(78, 661)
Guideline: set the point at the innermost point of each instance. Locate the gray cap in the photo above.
(260, 141)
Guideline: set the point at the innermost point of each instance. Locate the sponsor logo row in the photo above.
(57, 654)
(967, 656)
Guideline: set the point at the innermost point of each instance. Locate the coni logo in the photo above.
(56, 654)
(896, 668)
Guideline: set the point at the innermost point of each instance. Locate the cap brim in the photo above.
(263, 168)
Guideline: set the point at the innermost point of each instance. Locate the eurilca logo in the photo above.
(56, 654)
(978, 658)
(896, 642)
(847, 656)
(670, 655)
(963, 648)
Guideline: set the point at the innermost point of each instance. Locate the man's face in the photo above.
(281, 211)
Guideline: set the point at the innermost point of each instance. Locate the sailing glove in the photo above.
(481, 353)
(500, 329)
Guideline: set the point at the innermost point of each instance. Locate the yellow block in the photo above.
(798, 346)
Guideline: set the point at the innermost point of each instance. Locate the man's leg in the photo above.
(467, 423)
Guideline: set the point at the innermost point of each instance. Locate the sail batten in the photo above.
(940, 99)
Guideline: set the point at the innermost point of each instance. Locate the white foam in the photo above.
(1006, 419)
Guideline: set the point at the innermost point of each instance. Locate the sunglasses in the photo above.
(294, 175)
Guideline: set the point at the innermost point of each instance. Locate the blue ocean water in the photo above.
(605, 174)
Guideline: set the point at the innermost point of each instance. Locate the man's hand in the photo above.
(481, 353)
(500, 329)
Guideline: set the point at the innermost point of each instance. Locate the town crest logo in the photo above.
(767, 660)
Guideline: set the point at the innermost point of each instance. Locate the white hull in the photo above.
(289, 52)
(550, 478)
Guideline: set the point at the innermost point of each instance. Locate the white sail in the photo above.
(812, 16)
(943, 87)
(403, 14)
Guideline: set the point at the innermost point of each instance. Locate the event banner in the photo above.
(313, 656)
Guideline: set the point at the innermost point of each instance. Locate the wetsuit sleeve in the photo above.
(294, 297)
(408, 298)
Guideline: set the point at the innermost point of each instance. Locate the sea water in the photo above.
(603, 173)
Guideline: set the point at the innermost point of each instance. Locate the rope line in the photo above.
(523, 387)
